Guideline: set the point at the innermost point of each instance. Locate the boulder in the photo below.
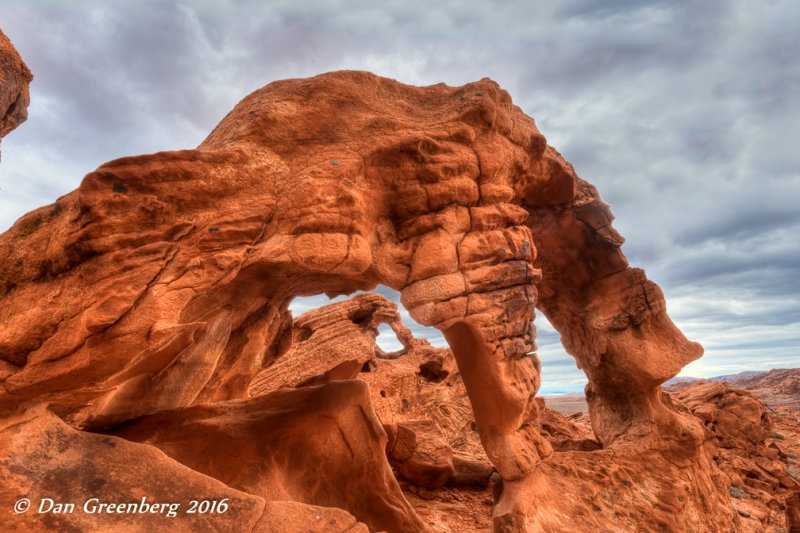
(420, 453)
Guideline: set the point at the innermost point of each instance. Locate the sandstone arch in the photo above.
(163, 281)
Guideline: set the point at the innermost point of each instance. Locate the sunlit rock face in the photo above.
(340, 182)
(163, 281)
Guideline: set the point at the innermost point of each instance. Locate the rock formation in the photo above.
(317, 444)
(14, 80)
(49, 463)
(755, 451)
(779, 387)
(334, 341)
(158, 291)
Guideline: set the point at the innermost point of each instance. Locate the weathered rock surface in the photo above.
(338, 337)
(53, 465)
(793, 513)
(779, 387)
(320, 444)
(736, 417)
(759, 460)
(755, 448)
(420, 453)
(14, 80)
(426, 383)
(469, 471)
(563, 433)
(612, 319)
(160, 288)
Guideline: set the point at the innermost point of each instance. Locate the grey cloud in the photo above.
(734, 259)
(601, 9)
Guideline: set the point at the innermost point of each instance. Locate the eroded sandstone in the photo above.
(751, 453)
(51, 464)
(318, 444)
(159, 291)
(14, 94)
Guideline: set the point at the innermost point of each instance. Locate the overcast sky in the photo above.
(685, 115)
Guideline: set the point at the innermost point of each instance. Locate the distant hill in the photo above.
(747, 374)
(779, 387)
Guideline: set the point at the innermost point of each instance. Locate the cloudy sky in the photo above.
(686, 115)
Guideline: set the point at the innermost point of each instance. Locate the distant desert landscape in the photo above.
(774, 388)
